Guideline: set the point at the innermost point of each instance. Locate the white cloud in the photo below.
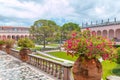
(71, 10)
(100, 10)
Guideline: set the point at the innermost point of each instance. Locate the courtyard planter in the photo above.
(1, 46)
(9, 44)
(25, 44)
(2, 42)
(87, 69)
(8, 49)
(24, 54)
(89, 48)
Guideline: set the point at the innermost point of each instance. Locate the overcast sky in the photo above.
(25, 12)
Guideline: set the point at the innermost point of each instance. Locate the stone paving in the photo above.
(13, 69)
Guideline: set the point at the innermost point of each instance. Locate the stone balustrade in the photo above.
(59, 70)
(15, 53)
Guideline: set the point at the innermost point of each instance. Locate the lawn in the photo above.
(53, 45)
(47, 57)
(62, 55)
(109, 68)
(36, 48)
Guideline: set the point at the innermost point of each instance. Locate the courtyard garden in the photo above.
(109, 68)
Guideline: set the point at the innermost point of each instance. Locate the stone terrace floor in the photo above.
(13, 69)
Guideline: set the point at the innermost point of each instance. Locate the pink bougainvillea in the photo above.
(89, 44)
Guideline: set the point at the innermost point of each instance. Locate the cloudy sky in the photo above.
(25, 12)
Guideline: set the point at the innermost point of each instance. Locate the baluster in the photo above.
(40, 63)
(67, 72)
(31, 60)
(56, 70)
(34, 61)
(37, 63)
(60, 72)
(46, 66)
(52, 69)
(49, 67)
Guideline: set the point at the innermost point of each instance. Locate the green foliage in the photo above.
(90, 45)
(9, 42)
(62, 55)
(118, 52)
(70, 27)
(116, 46)
(25, 42)
(44, 31)
(2, 42)
(67, 28)
(108, 66)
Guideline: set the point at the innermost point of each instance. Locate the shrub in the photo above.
(9, 42)
(25, 43)
(116, 46)
(90, 45)
(2, 42)
(118, 52)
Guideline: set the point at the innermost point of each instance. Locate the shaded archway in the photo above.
(104, 33)
(111, 34)
(17, 37)
(13, 36)
(22, 36)
(93, 32)
(99, 33)
(26, 36)
(118, 33)
(8, 36)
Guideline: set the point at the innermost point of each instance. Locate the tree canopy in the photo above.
(44, 31)
(67, 28)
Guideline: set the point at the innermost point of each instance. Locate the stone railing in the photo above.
(15, 53)
(59, 70)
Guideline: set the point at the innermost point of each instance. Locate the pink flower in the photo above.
(89, 44)
(105, 56)
(74, 34)
(87, 29)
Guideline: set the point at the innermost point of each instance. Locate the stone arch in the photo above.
(26, 36)
(17, 37)
(104, 34)
(99, 33)
(8, 36)
(13, 36)
(4, 37)
(22, 36)
(118, 33)
(111, 34)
